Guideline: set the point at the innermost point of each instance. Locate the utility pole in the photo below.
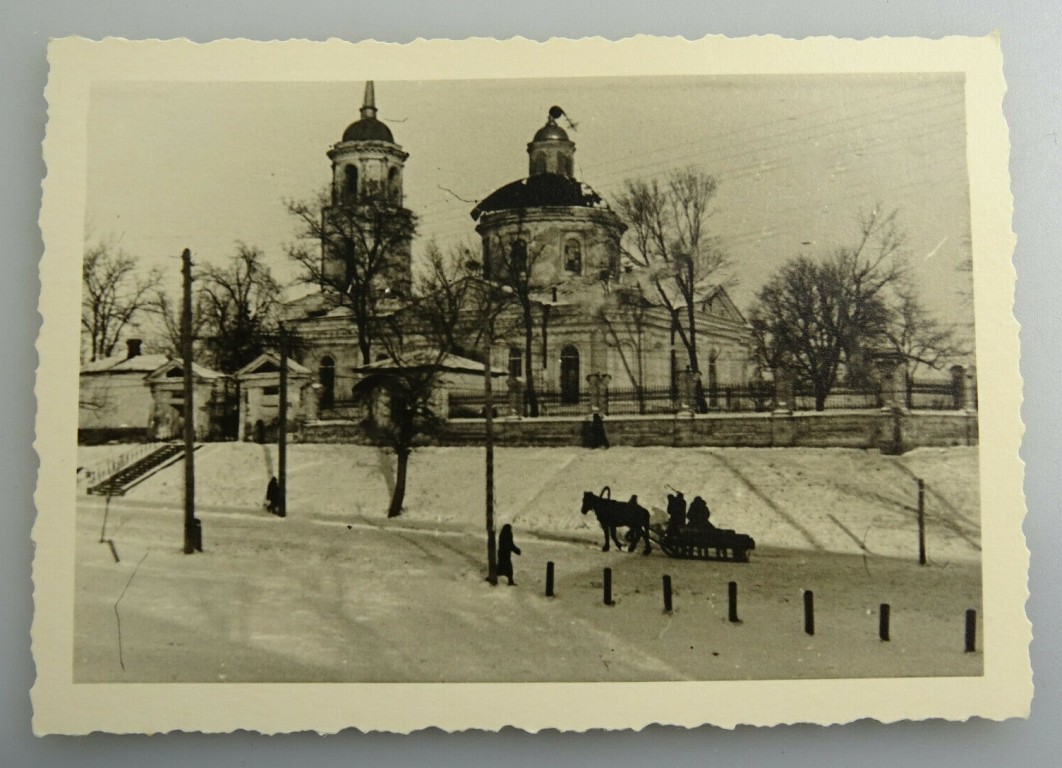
(192, 540)
(488, 392)
(282, 432)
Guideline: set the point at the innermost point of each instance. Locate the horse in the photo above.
(613, 514)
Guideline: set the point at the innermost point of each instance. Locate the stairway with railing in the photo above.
(123, 478)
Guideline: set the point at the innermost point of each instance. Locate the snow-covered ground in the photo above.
(337, 592)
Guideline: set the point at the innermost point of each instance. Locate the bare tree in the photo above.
(668, 233)
(815, 315)
(114, 293)
(511, 268)
(353, 250)
(238, 307)
(451, 307)
(921, 339)
(625, 319)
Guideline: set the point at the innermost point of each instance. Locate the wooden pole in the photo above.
(608, 586)
(731, 594)
(971, 630)
(488, 425)
(809, 612)
(921, 522)
(190, 537)
(282, 432)
(667, 593)
(883, 622)
(549, 579)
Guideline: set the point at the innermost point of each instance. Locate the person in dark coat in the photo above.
(676, 512)
(273, 495)
(598, 438)
(506, 550)
(699, 514)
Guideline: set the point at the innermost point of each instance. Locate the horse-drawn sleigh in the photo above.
(694, 542)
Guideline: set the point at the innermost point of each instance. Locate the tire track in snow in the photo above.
(545, 485)
(815, 544)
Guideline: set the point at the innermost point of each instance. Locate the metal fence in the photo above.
(757, 397)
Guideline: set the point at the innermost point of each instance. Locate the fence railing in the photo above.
(756, 397)
(99, 472)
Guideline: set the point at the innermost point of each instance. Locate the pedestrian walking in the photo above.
(506, 550)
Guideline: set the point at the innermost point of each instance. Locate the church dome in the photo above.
(368, 129)
(542, 190)
(551, 132)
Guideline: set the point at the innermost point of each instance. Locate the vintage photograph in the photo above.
(639, 378)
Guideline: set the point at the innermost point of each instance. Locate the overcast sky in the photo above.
(175, 165)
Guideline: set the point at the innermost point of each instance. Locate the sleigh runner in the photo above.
(712, 543)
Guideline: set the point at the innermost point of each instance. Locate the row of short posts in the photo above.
(884, 610)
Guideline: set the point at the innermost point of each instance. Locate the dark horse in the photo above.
(613, 514)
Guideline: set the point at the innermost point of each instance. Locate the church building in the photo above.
(585, 325)
(598, 327)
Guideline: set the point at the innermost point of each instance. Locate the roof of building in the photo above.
(124, 364)
(368, 128)
(426, 359)
(270, 362)
(551, 132)
(542, 190)
(199, 371)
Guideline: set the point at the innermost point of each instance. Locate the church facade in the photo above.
(584, 322)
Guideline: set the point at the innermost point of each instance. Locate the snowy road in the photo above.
(357, 598)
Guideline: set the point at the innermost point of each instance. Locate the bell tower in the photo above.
(551, 151)
(367, 169)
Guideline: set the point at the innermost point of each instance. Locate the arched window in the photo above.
(326, 375)
(713, 379)
(564, 165)
(350, 183)
(393, 184)
(538, 163)
(569, 375)
(516, 363)
(573, 256)
(518, 257)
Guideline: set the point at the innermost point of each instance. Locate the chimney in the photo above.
(133, 348)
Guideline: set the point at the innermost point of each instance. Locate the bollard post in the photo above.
(921, 522)
(731, 594)
(971, 630)
(883, 622)
(549, 579)
(608, 586)
(809, 612)
(667, 593)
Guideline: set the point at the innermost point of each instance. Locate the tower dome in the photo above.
(551, 151)
(368, 128)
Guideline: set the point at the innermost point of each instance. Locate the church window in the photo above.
(350, 183)
(516, 363)
(392, 184)
(327, 377)
(518, 257)
(569, 375)
(573, 256)
(564, 165)
(538, 163)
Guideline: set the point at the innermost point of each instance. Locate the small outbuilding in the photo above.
(259, 383)
(114, 401)
(210, 395)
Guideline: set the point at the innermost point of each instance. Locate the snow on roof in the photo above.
(274, 359)
(124, 364)
(200, 371)
(448, 363)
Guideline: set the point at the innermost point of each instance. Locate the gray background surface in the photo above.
(1030, 37)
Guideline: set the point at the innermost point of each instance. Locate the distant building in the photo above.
(114, 402)
(260, 396)
(592, 328)
(210, 396)
(588, 336)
